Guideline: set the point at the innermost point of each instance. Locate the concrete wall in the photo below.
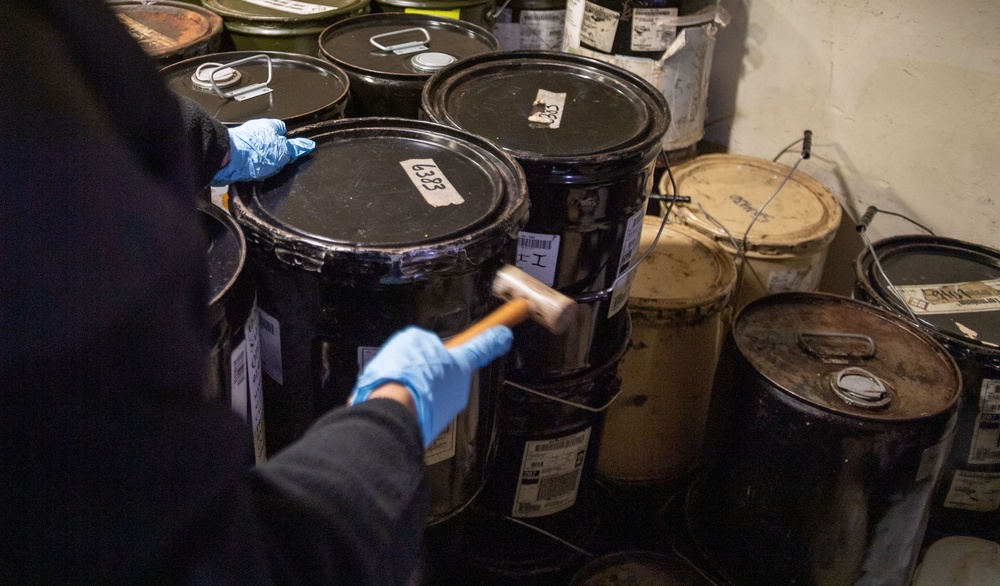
(903, 98)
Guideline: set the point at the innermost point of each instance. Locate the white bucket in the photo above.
(654, 431)
(681, 72)
(787, 245)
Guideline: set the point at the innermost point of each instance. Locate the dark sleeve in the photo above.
(209, 139)
(114, 470)
(347, 503)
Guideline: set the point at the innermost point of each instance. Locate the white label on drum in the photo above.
(270, 346)
(547, 109)
(238, 375)
(599, 27)
(542, 29)
(292, 6)
(430, 181)
(537, 255)
(653, 29)
(630, 249)
(985, 445)
(443, 446)
(974, 491)
(573, 24)
(550, 475)
(255, 386)
(966, 297)
(507, 32)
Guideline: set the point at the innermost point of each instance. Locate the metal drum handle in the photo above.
(403, 48)
(243, 93)
(564, 401)
(837, 347)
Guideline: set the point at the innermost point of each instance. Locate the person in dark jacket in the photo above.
(112, 469)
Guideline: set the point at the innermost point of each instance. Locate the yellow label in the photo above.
(443, 13)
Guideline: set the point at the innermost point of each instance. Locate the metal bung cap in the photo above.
(432, 61)
(730, 189)
(952, 287)
(847, 357)
(687, 277)
(549, 106)
(403, 45)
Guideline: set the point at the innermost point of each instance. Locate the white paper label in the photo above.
(541, 29)
(537, 255)
(292, 6)
(430, 181)
(550, 475)
(270, 346)
(985, 445)
(630, 249)
(574, 22)
(599, 27)
(255, 386)
(966, 297)
(238, 394)
(507, 32)
(975, 491)
(443, 446)
(547, 109)
(653, 29)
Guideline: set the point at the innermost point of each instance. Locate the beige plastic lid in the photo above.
(803, 217)
(686, 277)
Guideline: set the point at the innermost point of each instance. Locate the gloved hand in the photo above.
(438, 378)
(258, 149)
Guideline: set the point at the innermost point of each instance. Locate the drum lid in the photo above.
(731, 188)
(165, 28)
(350, 43)
(952, 287)
(311, 13)
(226, 250)
(686, 271)
(379, 183)
(847, 357)
(538, 104)
(301, 86)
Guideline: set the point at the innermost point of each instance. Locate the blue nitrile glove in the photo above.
(438, 378)
(258, 149)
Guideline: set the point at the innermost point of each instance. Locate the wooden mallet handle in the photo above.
(509, 314)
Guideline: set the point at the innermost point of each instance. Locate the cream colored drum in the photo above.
(787, 245)
(653, 431)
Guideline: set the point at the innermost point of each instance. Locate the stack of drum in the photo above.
(587, 135)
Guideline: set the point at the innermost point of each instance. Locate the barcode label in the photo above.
(270, 346)
(974, 491)
(557, 486)
(985, 445)
(255, 386)
(537, 255)
(238, 378)
(653, 29)
(550, 475)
